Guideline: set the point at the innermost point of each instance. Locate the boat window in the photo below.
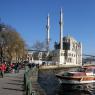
(81, 69)
(94, 71)
(89, 70)
(67, 74)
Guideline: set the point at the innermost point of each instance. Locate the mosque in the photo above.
(67, 51)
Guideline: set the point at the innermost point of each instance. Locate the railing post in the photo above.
(28, 81)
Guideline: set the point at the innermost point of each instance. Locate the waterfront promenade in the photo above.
(12, 84)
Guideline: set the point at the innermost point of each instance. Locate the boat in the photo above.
(82, 78)
(82, 75)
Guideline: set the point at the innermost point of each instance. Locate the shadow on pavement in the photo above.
(17, 80)
(15, 83)
(13, 89)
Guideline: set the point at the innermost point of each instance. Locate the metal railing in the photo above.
(28, 75)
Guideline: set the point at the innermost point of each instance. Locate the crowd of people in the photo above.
(9, 68)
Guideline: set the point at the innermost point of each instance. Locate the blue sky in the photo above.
(28, 17)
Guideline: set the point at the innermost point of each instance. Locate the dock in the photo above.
(37, 88)
(12, 84)
(31, 83)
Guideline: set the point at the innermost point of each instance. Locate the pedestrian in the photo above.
(16, 67)
(2, 69)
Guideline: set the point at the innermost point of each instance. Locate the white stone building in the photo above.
(68, 51)
(71, 54)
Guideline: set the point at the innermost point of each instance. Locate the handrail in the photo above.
(28, 81)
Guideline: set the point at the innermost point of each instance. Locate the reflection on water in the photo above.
(51, 86)
(87, 89)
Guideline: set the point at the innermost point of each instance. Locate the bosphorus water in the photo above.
(51, 86)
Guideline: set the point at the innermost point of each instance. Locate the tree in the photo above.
(11, 43)
(40, 46)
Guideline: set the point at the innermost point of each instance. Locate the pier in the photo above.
(31, 85)
(31, 81)
(12, 84)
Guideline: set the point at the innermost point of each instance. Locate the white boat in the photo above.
(83, 75)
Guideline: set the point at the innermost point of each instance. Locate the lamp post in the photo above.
(1, 53)
(2, 43)
(16, 50)
(1, 49)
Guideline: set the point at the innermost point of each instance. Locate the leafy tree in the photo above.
(40, 46)
(11, 44)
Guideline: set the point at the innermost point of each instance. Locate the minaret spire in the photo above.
(48, 31)
(61, 29)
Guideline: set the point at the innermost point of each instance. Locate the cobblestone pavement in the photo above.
(12, 84)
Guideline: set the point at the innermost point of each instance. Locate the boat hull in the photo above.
(76, 80)
(80, 87)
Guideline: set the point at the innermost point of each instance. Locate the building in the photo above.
(36, 56)
(71, 54)
(68, 51)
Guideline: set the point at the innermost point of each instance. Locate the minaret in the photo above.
(48, 31)
(81, 53)
(61, 29)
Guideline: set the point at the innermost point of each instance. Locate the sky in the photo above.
(28, 17)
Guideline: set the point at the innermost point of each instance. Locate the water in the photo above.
(50, 84)
(72, 90)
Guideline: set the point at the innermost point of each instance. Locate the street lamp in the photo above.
(1, 49)
(2, 42)
(16, 47)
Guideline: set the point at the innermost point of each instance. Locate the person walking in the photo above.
(2, 69)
